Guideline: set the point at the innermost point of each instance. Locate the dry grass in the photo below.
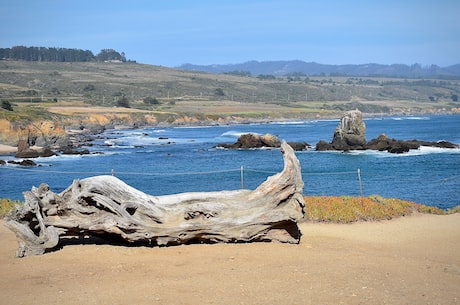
(7, 205)
(100, 84)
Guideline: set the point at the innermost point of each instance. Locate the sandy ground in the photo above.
(7, 149)
(411, 260)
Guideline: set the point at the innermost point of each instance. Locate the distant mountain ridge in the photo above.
(298, 67)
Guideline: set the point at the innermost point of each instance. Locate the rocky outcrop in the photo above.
(26, 162)
(252, 140)
(299, 146)
(270, 140)
(324, 146)
(383, 143)
(24, 151)
(70, 151)
(350, 133)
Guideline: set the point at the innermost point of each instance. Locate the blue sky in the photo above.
(170, 33)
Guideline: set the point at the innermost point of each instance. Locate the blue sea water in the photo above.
(162, 161)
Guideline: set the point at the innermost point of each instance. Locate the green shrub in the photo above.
(123, 102)
(7, 106)
(151, 101)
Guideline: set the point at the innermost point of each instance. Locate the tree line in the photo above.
(59, 54)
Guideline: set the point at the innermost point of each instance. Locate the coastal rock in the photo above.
(27, 153)
(70, 151)
(252, 140)
(350, 133)
(24, 151)
(299, 146)
(249, 140)
(446, 144)
(46, 152)
(22, 145)
(26, 162)
(270, 140)
(384, 143)
(323, 146)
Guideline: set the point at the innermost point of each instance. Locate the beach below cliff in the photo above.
(408, 260)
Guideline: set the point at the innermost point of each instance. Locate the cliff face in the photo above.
(45, 133)
(54, 132)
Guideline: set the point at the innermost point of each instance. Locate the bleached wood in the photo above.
(106, 206)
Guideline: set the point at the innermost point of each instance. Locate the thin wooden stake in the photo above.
(360, 183)
(242, 178)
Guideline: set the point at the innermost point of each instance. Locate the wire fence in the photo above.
(115, 172)
(251, 175)
(241, 169)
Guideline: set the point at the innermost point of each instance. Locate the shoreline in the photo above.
(74, 133)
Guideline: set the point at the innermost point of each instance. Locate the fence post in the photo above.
(360, 183)
(242, 177)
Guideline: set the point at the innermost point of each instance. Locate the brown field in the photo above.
(409, 260)
(102, 84)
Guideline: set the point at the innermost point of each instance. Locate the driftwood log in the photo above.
(104, 206)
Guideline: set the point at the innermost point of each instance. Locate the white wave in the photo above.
(235, 134)
(437, 150)
(328, 120)
(422, 150)
(402, 118)
(131, 141)
(196, 127)
(417, 118)
(289, 123)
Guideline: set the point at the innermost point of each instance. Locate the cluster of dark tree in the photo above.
(59, 54)
(7, 106)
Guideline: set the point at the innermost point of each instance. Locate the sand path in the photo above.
(411, 260)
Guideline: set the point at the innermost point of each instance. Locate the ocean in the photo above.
(171, 160)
